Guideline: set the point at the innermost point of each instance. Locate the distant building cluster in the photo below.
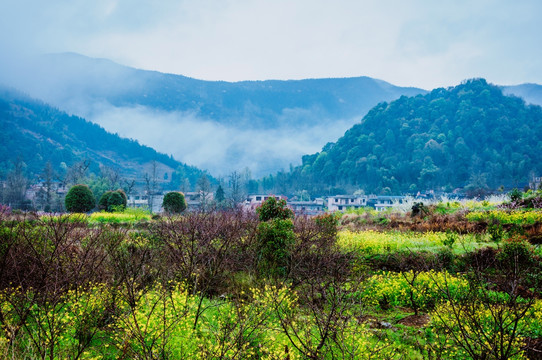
(195, 201)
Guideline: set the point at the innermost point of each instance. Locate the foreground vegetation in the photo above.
(236, 285)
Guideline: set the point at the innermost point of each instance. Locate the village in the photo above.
(198, 200)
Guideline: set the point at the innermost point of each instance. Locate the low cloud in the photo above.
(216, 147)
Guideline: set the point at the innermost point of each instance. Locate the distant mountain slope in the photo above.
(37, 133)
(227, 124)
(470, 136)
(531, 93)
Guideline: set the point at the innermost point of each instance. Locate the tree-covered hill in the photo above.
(470, 136)
(36, 133)
(227, 125)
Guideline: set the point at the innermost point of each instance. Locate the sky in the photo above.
(422, 43)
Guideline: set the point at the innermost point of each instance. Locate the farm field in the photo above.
(454, 282)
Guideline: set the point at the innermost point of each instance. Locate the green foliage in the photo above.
(79, 199)
(450, 240)
(65, 140)
(516, 252)
(118, 292)
(274, 209)
(113, 201)
(220, 196)
(416, 290)
(174, 202)
(480, 330)
(275, 239)
(470, 136)
(328, 225)
(517, 217)
(496, 231)
(515, 195)
(447, 208)
(373, 243)
(127, 216)
(66, 328)
(528, 200)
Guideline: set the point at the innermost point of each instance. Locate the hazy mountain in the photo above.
(531, 93)
(221, 126)
(35, 133)
(470, 136)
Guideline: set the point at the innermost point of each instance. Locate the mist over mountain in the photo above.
(36, 133)
(216, 125)
(470, 137)
(531, 93)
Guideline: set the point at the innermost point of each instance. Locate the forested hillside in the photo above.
(226, 125)
(470, 136)
(36, 133)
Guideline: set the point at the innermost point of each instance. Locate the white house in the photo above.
(253, 201)
(345, 202)
(383, 202)
(195, 199)
(142, 201)
(310, 208)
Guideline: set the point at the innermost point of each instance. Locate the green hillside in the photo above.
(36, 133)
(470, 136)
(229, 123)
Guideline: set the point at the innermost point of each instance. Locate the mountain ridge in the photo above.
(36, 133)
(263, 125)
(470, 137)
(241, 116)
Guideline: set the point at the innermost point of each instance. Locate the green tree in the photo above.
(274, 209)
(174, 202)
(79, 199)
(276, 237)
(220, 196)
(113, 200)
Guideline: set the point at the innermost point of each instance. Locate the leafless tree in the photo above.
(236, 187)
(151, 184)
(15, 186)
(77, 172)
(204, 189)
(46, 193)
(112, 175)
(484, 324)
(201, 248)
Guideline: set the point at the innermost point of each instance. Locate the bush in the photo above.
(275, 237)
(113, 200)
(274, 209)
(174, 202)
(422, 290)
(80, 199)
(516, 252)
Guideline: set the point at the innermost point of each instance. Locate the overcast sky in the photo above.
(423, 43)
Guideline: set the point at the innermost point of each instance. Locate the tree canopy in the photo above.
(468, 136)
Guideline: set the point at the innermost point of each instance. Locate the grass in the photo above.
(129, 215)
(518, 216)
(372, 242)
